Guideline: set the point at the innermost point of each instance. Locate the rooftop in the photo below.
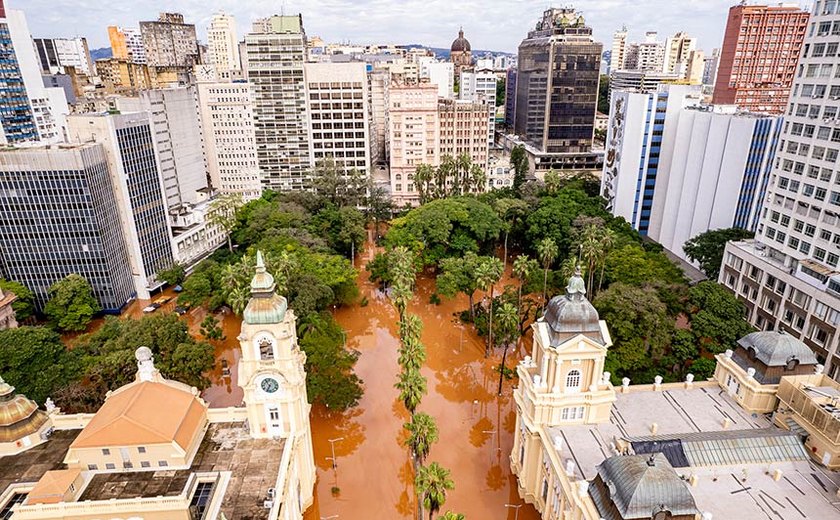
(708, 423)
(32, 464)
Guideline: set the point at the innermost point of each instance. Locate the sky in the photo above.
(497, 25)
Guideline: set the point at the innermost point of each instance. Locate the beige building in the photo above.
(7, 314)
(155, 451)
(222, 44)
(463, 130)
(413, 136)
(585, 450)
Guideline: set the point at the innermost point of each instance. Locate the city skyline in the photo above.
(500, 28)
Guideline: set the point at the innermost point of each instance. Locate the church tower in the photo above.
(271, 372)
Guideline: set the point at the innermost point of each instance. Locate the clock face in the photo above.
(269, 385)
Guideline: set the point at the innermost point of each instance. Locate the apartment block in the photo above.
(480, 87)
(463, 125)
(788, 277)
(61, 216)
(129, 144)
(127, 44)
(618, 52)
(169, 42)
(56, 55)
(413, 135)
(222, 43)
(276, 52)
(678, 50)
(439, 73)
(651, 53)
(761, 46)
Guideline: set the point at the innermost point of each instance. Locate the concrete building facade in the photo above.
(618, 52)
(651, 53)
(223, 44)
(413, 136)
(678, 49)
(761, 46)
(61, 216)
(127, 44)
(169, 42)
(57, 54)
(480, 87)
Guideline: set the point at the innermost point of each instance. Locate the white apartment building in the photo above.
(788, 276)
(179, 145)
(413, 135)
(678, 49)
(710, 67)
(675, 169)
(481, 87)
(439, 73)
(222, 44)
(226, 112)
(338, 103)
(618, 52)
(275, 56)
(651, 53)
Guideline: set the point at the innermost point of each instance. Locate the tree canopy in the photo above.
(71, 305)
(707, 248)
(24, 305)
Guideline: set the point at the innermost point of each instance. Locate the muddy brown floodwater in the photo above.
(374, 476)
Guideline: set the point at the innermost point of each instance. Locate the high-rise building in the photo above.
(695, 67)
(276, 52)
(129, 145)
(619, 49)
(557, 83)
(29, 111)
(61, 216)
(179, 145)
(678, 49)
(127, 44)
(169, 42)
(57, 54)
(510, 97)
(651, 55)
(379, 80)
(227, 121)
(758, 58)
(439, 73)
(788, 277)
(338, 98)
(462, 125)
(675, 169)
(631, 57)
(640, 80)
(480, 87)
(710, 67)
(222, 43)
(413, 136)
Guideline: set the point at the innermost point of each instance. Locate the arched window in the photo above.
(266, 349)
(573, 380)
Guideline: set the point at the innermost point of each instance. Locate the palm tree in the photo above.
(237, 298)
(607, 243)
(432, 482)
(523, 266)
(591, 250)
(487, 275)
(508, 327)
(410, 328)
(423, 432)
(547, 251)
(452, 516)
(412, 355)
(412, 387)
(222, 214)
(402, 277)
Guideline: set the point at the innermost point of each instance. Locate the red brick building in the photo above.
(758, 59)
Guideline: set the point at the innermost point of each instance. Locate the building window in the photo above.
(110, 465)
(573, 380)
(163, 463)
(141, 449)
(266, 349)
(92, 467)
(106, 451)
(145, 464)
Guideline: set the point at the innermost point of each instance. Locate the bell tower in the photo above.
(271, 373)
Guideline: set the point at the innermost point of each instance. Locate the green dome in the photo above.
(265, 305)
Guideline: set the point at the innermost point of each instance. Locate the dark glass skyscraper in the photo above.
(557, 84)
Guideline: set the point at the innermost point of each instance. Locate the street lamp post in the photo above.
(332, 447)
(516, 507)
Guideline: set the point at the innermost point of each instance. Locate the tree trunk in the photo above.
(490, 333)
(502, 368)
(545, 287)
(472, 310)
(506, 242)
(601, 278)
(230, 244)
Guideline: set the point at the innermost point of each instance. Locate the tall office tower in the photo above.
(127, 44)
(439, 73)
(179, 145)
(462, 125)
(510, 97)
(57, 54)
(223, 46)
(29, 111)
(788, 276)
(60, 217)
(276, 52)
(710, 67)
(758, 58)
(619, 49)
(678, 49)
(129, 146)
(169, 42)
(480, 87)
(337, 95)
(651, 53)
(227, 120)
(676, 169)
(413, 135)
(557, 83)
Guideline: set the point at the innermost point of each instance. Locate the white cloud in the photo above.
(488, 24)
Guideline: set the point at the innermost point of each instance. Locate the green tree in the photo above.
(523, 268)
(210, 328)
(34, 361)
(222, 214)
(511, 211)
(604, 94)
(423, 432)
(175, 275)
(412, 387)
(716, 316)
(330, 380)
(452, 516)
(707, 248)
(344, 228)
(402, 274)
(519, 163)
(553, 182)
(459, 275)
(432, 482)
(703, 368)
(412, 353)
(71, 305)
(487, 275)
(547, 251)
(24, 304)
(508, 317)
(500, 92)
(339, 187)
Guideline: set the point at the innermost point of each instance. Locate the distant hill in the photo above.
(100, 54)
(443, 54)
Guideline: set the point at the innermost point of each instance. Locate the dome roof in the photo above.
(777, 348)
(642, 485)
(460, 44)
(572, 312)
(19, 416)
(265, 305)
